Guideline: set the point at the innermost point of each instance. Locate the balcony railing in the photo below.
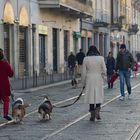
(133, 29)
(77, 7)
(118, 23)
(101, 18)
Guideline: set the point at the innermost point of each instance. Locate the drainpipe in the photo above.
(80, 30)
(80, 25)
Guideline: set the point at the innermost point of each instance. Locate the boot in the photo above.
(97, 113)
(108, 85)
(111, 86)
(92, 118)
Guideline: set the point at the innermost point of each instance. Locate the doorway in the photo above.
(23, 51)
(55, 47)
(7, 42)
(42, 55)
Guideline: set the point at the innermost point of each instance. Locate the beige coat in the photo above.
(93, 71)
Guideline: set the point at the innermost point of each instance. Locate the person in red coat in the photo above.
(5, 72)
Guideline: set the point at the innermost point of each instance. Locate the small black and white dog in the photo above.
(45, 109)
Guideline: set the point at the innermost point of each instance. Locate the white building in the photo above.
(38, 35)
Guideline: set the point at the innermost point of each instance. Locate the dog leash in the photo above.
(12, 94)
(71, 103)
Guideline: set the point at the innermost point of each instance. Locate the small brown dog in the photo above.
(19, 110)
(45, 109)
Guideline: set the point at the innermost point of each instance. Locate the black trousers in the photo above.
(92, 107)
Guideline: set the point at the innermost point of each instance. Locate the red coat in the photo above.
(5, 72)
(114, 78)
(135, 68)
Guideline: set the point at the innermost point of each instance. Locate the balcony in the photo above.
(118, 23)
(133, 29)
(101, 19)
(75, 8)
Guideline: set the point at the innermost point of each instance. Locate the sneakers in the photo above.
(129, 96)
(122, 98)
(8, 118)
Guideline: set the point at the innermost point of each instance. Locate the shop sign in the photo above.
(77, 34)
(42, 29)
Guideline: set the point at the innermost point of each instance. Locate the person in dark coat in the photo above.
(110, 65)
(5, 72)
(80, 57)
(124, 65)
(71, 63)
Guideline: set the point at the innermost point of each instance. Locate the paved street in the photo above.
(119, 118)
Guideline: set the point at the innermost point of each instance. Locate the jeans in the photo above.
(72, 72)
(125, 77)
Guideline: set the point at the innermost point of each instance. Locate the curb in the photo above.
(43, 87)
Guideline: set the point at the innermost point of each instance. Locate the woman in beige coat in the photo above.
(93, 71)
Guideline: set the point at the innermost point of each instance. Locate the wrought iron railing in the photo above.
(41, 79)
(100, 15)
(118, 23)
(133, 29)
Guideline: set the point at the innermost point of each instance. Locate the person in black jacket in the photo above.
(80, 57)
(124, 65)
(110, 65)
(71, 64)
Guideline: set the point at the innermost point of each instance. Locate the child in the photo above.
(135, 68)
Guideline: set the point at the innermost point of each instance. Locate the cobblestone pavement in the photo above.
(119, 118)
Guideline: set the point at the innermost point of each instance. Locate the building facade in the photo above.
(134, 32)
(101, 25)
(124, 25)
(38, 35)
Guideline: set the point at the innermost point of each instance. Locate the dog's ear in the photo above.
(46, 97)
(20, 106)
(26, 105)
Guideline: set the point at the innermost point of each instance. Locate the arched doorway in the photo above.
(23, 42)
(8, 30)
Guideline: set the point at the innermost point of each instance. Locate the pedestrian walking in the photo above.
(80, 57)
(93, 70)
(124, 65)
(5, 72)
(135, 68)
(71, 64)
(110, 65)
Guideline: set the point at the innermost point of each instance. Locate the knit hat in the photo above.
(123, 46)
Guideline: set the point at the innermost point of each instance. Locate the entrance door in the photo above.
(101, 45)
(7, 42)
(83, 44)
(55, 46)
(42, 52)
(65, 46)
(23, 51)
(75, 44)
